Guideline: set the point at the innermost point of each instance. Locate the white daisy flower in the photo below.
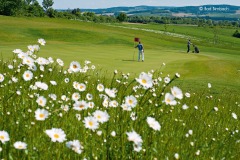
(41, 114)
(125, 107)
(27, 75)
(166, 80)
(187, 95)
(23, 55)
(60, 62)
(75, 85)
(91, 104)
(41, 101)
(41, 85)
(42, 68)
(113, 133)
(113, 103)
(4, 136)
(65, 107)
(75, 145)
(42, 61)
(20, 145)
(198, 152)
(145, 80)
(50, 59)
(131, 101)
(99, 133)
(10, 66)
(105, 102)
(56, 134)
(1, 77)
(14, 79)
(17, 51)
(177, 92)
(176, 156)
(54, 83)
(66, 80)
(64, 98)
(53, 96)
(75, 66)
(28, 60)
(111, 92)
(89, 96)
(30, 48)
(42, 41)
(80, 105)
(137, 147)
(81, 87)
(177, 75)
(100, 87)
(91, 123)
(169, 99)
(190, 132)
(75, 96)
(234, 116)
(209, 85)
(78, 116)
(101, 116)
(185, 107)
(134, 137)
(153, 123)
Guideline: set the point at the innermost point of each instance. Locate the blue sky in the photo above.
(65, 4)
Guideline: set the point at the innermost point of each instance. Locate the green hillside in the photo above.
(111, 46)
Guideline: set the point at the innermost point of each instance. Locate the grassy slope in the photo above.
(111, 48)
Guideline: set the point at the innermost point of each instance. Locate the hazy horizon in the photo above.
(99, 4)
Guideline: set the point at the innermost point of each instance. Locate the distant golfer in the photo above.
(196, 50)
(140, 51)
(188, 45)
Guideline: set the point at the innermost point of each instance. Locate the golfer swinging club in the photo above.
(140, 51)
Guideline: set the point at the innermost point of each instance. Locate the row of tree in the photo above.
(24, 7)
(181, 20)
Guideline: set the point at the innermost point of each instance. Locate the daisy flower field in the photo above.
(67, 111)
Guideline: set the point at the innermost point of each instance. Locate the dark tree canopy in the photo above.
(47, 4)
(122, 17)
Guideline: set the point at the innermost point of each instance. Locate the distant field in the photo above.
(111, 47)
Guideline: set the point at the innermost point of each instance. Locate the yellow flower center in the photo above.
(41, 115)
(56, 136)
(144, 81)
(74, 66)
(168, 100)
(130, 101)
(2, 137)
(90, 123)
(20, 146)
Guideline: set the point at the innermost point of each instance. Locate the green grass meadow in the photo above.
(207, 129)
(112, 47)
